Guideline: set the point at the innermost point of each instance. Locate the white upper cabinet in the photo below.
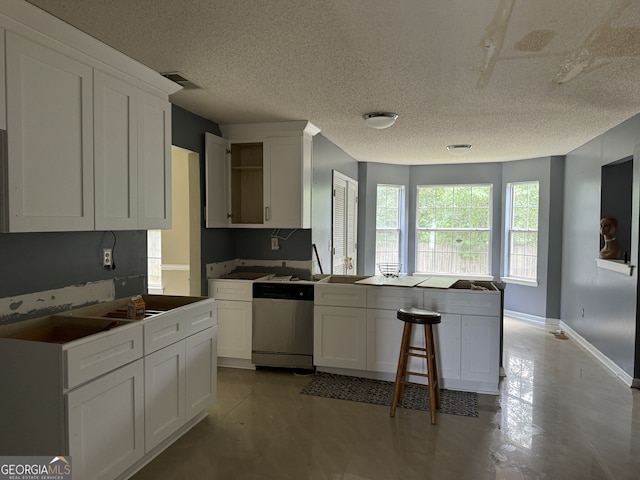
(87, 146)
(216, 178)
(259, 176)
(49, 170)
(154, 162)
(132, 157)
(116, 153)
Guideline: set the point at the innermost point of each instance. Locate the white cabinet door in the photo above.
(447, 342)
(283, 182)
(164, 390)
(384, 334)
(50, 139)
(202, 375)
(3, 91)
(234, 329)
(217, 182)
(340, 337)
(116, 153)
(154, 162)
(480, 349)
(106, 424)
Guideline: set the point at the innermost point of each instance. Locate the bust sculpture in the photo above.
(611, 249)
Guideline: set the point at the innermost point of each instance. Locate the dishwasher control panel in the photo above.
(283, 291)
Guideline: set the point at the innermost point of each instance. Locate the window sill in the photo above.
(617, 266)
(455, 275)
(519, 281)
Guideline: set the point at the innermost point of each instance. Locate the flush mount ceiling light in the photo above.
(380, 120)
(459, 149)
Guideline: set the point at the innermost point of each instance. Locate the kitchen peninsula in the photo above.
(107, 389)
(356, 331)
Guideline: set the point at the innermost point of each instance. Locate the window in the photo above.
(453, 229)
(389, 200)
(154, 259)
(522, 230)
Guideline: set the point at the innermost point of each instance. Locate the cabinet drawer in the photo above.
(393, 298)
(164, 330)
(200, 316)
(93, 358)
(340, 295)
(231, 290)
(463, 302)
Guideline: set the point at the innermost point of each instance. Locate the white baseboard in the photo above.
(602, 358)
(236, 363)
(541, 321)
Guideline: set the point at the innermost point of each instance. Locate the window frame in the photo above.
(508, 230)
(401, 196)
(488, 229)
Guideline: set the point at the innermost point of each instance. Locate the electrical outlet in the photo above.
(274, 244)
(107, 258)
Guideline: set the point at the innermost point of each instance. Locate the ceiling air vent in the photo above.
(180, 80)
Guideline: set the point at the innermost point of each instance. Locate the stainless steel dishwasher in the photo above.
(282, 334)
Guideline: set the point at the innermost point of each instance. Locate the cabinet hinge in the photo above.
(334, 192)
(228, 151)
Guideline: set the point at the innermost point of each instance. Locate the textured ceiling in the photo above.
(514, 78)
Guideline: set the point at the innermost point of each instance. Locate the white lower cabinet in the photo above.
(235, 313)
(179, 383)
(164, 389)
(110, 393)
(384, 334)
(448, 346)
(234, 322)
(106, 423)
(340, 337)
(201, 373)
(480, 357)
(368, 339)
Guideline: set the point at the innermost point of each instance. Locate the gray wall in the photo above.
(541, 301)
(372, 174)
(608, 298)
(35, 262)
(411, 176)
(533, 300)
(188, 129)
(327, 157)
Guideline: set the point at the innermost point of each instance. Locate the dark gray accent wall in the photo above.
(615, 200)
(327, 157)
(608, 299)
(255, 244)
(554, 251)
(187, 131)
(35, 262)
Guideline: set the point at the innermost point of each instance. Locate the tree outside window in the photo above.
(454, 229)
(389, 199)
(522, 230)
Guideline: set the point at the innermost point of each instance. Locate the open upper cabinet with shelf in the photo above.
(259, 175)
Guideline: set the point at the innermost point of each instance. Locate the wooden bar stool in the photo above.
(411, 316)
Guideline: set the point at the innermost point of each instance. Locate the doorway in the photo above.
(174, 255)
(344, 225)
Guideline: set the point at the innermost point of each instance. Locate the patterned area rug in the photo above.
(380, 392)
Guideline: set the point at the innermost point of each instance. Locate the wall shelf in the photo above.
(616, 266)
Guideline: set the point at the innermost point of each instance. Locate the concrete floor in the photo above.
(560, 415)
